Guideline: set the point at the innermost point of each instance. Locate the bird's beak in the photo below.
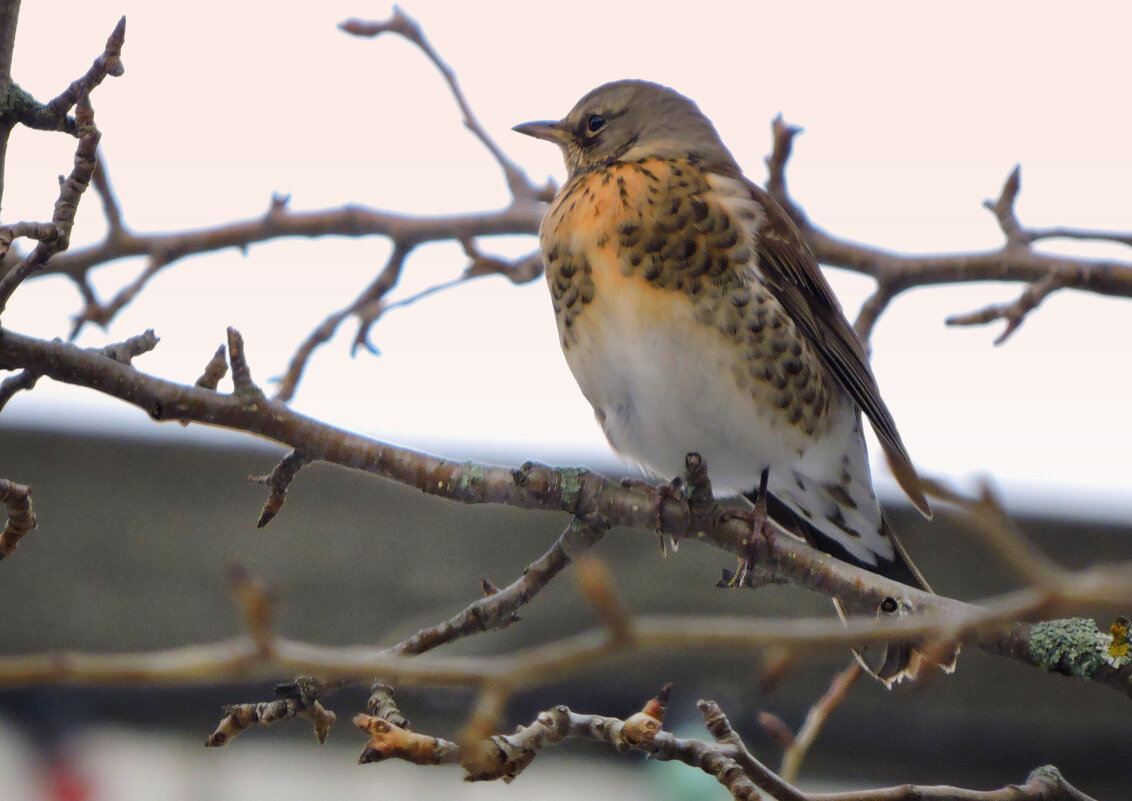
(550, 131)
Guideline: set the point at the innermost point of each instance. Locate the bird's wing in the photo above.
(790, 269)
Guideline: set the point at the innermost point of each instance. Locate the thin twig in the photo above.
(871, 310)
(22, 381)
(497, 610)
(244, 387)
(215, 370)
(986, 623)
(1014, 313)
(70, 192)
(1062, 232)
(400, 23)
(815, 719)
(986, 518)
(1003, 210)
(109, 62)
(726, 759)
(111, 208)
(782, 138)
(125, 351)
(300, 699)
(278, 480)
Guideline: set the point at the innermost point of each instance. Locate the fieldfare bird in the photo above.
(695, 319)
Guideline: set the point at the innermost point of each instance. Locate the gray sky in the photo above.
(914, 113)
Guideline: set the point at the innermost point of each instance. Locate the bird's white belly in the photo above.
(664, 385)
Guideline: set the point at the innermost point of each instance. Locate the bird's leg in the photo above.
(759, 528)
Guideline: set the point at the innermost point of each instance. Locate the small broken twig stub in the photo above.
(21, 518)
(278, 480)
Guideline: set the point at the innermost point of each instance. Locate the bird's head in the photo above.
(631, 120)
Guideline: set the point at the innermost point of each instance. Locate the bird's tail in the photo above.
(889, 662)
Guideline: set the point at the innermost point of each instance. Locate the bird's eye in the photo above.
(595, 123)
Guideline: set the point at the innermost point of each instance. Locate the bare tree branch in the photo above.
(371, 306)
(70, 191)
(505, 756)
(572, 490)
(215, 370)
(23, 380)
(9, 18)
(278, 480)
(111, 208)
(109, 62)
(496, 610)
(11, 96)
(400, 23)
(1015, 261)
(243, 658)
(300, 699)
(815, 719)
(1013, 313)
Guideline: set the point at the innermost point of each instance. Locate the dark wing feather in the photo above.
(790, 269)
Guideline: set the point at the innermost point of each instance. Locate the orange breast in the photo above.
(581, 240)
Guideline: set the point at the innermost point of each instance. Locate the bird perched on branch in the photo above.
(695, 319)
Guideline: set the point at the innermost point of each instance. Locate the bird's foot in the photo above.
(730, 579)
(749, 573)
(674, 490)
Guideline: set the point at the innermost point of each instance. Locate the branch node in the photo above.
(245, 388)
(279, 479)
(125, 352)
(643, 727)
(381, 704)
(301, 700)
(215, 370)
(24, 380)
(21, 518)
(783, 135)
(1003, 210)
(389, 741)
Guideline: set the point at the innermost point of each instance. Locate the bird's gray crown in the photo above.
(628, 120)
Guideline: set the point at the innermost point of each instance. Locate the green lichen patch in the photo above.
(571, 478)
(472, 476)
(1073, 646)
